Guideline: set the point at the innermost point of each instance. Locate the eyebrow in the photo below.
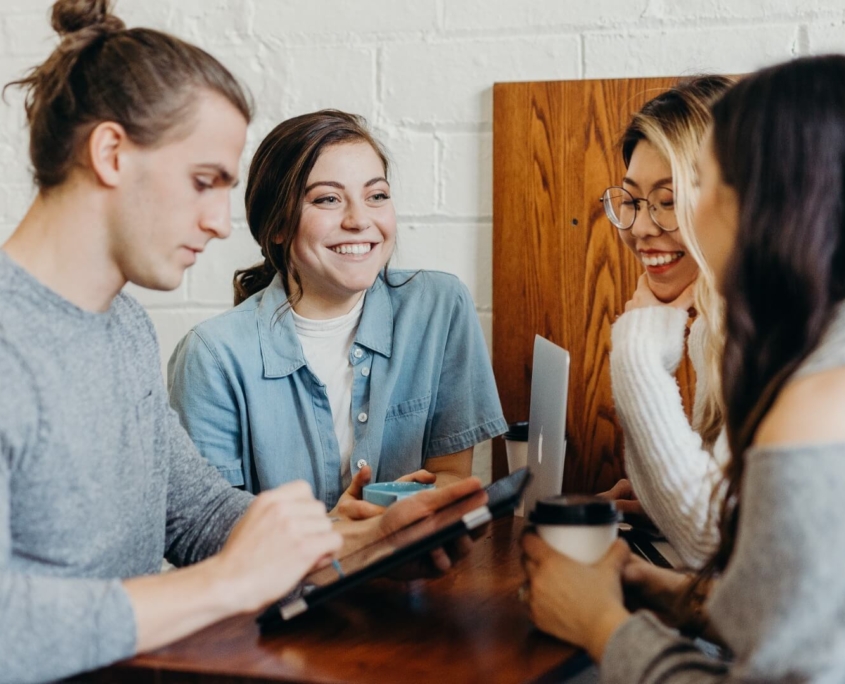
(223, 172)
(341, 186)
(661, 182)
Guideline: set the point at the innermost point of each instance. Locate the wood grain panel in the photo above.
(559, 268)
(467, 626)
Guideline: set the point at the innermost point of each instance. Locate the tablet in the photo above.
(399, 547)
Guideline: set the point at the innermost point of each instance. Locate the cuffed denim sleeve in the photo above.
(465, 409)
(207, 405)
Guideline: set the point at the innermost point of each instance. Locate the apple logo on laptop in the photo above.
(540, 446)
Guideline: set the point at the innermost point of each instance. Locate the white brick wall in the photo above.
(422, 72)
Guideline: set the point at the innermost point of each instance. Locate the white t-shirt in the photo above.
(326, 345)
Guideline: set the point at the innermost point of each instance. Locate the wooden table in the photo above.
(467, 626)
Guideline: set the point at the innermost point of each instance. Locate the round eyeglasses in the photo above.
(621, 207)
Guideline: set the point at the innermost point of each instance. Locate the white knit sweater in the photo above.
(671, 472)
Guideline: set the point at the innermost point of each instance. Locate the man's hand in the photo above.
(283, 534)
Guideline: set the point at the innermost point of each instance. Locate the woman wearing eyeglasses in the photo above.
(673, 466)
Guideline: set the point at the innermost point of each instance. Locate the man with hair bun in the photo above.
(135, 142)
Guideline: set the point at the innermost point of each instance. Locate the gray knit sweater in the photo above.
(780, 605)
(98, 480)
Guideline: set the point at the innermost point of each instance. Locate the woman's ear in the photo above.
(106, 143)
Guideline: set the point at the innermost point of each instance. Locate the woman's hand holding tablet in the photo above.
(360, 533)
(351, 505)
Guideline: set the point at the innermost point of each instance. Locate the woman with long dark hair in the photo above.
(771, 223)
(333, 368)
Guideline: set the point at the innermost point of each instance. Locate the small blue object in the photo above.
(336, 566)
(386, 493)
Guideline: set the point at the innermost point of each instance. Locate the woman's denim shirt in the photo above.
(423, 387)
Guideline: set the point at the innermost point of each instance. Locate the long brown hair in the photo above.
(779, 140)
(142, 79)
(675, 122)
(275, 190)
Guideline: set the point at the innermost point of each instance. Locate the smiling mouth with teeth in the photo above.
(660, 259)
(357, 248)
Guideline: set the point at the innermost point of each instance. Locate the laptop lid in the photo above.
(547, 420)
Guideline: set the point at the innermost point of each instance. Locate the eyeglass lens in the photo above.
(621, 207)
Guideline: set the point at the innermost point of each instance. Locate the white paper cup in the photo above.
(516, 445)
(517, 455)
(581, 527)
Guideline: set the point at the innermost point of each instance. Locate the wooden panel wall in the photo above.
(559, 268)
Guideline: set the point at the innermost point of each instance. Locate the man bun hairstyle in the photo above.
(73, 16)
(144, 80)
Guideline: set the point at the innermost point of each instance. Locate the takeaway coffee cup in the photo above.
(581, 527)
(516, 444)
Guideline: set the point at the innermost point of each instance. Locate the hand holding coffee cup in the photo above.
(581, 527)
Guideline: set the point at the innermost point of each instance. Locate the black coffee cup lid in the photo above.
(517, 432)
(574, 510)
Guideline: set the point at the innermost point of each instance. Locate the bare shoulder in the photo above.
(810, 410)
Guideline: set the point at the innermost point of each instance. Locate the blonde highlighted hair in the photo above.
(675, 122)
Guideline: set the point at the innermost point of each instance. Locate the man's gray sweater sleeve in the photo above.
(202, 507)
(780, 606)
(49, 626)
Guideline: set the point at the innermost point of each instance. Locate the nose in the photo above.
(217, 218)
(644, 226)
(355, 217)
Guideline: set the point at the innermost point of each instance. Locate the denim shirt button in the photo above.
(361, 463)
(362, 417)
(365, 371)
(358, 353)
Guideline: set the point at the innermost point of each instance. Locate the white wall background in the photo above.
(421, 71)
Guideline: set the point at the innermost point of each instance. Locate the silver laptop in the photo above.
(547, 421)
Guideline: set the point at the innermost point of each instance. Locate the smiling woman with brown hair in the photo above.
(334, 368)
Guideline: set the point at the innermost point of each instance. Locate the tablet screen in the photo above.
(397, 548)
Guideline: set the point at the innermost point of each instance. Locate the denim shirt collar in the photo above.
(281, 350)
